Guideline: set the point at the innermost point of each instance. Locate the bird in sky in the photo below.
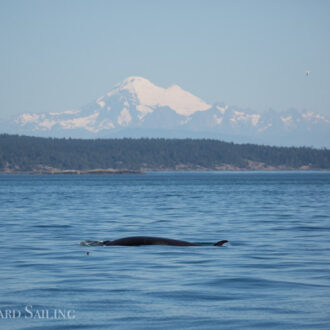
(308, 73)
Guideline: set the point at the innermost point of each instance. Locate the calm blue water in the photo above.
(274, 274)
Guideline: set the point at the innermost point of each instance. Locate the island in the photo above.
(37, 155)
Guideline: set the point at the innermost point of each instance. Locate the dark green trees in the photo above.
(23, 153)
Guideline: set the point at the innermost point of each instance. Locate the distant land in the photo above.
(137, 108)
(25, 154)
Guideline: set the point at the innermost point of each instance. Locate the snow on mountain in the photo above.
(127, 104)
(138, 108)
(148, 96)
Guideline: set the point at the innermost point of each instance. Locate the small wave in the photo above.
(52, 226)
(310, 228)
(250, 282)
(91, 243)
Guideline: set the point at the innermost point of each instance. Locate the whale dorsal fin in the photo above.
(220, 243)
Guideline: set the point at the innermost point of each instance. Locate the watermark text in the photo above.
(29, 312)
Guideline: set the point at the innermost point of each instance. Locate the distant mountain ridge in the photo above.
(138, 108)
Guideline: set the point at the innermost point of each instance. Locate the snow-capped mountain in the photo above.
(138, 108)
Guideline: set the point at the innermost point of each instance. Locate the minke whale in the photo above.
(146, 240)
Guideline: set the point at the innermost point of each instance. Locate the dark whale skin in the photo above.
(149, 240)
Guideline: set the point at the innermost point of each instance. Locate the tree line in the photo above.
(25, 153)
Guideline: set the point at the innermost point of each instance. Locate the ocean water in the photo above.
(274, 273)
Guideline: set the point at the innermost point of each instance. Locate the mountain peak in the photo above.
(136, 85)
(150, 95)
(134, 80)
(138, 107)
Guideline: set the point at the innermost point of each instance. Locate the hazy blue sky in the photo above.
(61, 54)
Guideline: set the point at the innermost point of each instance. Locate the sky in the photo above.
(253, 54)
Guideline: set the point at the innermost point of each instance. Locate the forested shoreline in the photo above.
(25, 154)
